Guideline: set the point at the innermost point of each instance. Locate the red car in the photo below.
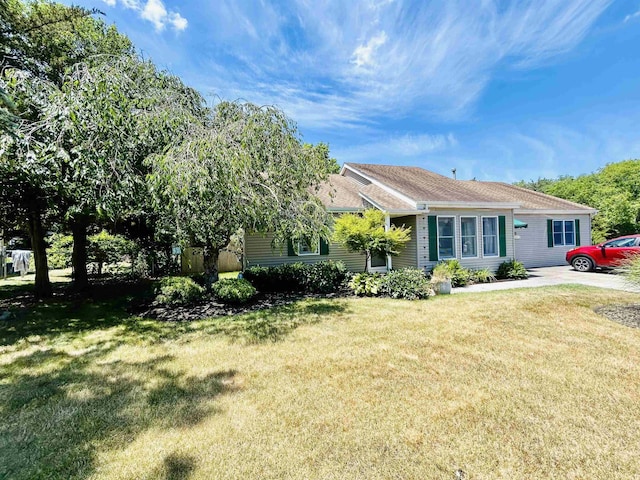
(607, 254)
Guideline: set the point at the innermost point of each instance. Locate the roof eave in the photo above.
(470, 205)
(556, 211)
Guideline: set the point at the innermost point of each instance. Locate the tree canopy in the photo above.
(614, 190)
(244, 167)
(366, 234)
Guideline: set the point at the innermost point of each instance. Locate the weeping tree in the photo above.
(39, 42)
(106, 119)
(244, 167)
(366, 234)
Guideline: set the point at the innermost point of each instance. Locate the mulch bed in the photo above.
(625, 314)
(212, 308)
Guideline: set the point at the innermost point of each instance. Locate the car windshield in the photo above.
(621, 242)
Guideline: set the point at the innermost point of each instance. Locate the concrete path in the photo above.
(541, 277)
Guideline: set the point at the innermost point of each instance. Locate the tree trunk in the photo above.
(79, 255)
(39, 246)
(211, 255)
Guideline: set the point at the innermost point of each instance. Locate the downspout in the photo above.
(387, 227)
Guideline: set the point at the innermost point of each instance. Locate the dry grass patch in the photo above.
(528, 383)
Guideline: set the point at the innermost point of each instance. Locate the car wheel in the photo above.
(582, 264)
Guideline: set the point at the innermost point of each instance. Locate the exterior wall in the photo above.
(258, 251)
(491, 263)
(532, 248)
(409, 254)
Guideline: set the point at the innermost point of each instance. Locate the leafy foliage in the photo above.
(321, 277)
(244, 167)
(512, 269)
(233, 290)
(59, 251)
(366, 234)
(367, 284)
(453, 270)
(105, 248)
(614, 190)
(178, 291)
(482, 276)
(407, 283)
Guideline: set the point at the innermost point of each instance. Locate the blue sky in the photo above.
(500, 90)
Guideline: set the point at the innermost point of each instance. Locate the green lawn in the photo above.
(525, 383)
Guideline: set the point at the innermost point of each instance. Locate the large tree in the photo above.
(40, 42)
(244, 167)
(614, 190)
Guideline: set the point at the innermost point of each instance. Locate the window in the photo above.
(490, 236)
(564, 233)
(446, 237)
(469, 234)
(621, 242)
(305, 247)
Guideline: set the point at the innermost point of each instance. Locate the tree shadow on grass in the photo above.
(275, 323)
(58, 410)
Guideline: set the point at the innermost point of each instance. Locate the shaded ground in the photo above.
(626, 314)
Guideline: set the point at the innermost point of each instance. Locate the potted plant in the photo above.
(441, 279)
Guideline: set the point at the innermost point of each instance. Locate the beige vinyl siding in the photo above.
(532, 248)
(259, 251)
(492, 263)
(408, 255)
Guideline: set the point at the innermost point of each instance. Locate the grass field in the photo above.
(525, 383)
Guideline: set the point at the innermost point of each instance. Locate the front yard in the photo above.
(526, 383)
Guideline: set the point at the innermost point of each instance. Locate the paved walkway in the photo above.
(541, 277)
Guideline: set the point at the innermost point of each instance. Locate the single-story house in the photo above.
(481, 224)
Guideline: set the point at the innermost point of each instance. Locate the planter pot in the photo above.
(444, 287)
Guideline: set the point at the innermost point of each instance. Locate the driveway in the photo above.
(541, 277)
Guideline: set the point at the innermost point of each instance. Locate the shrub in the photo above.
(407, 283)
(322, 277)
(59, 251)
(178, 291)
(325, 277)
(630, 269)
(459, 275)
(367, 284)
(233, 290)
(482, 276)
(512, 269)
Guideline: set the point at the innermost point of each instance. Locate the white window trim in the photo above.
(455, 229)
(307, 254)
(564, 233)
(476, 235)
(497, 237)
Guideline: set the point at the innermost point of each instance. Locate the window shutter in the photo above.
(324, 247)
(290, 251)
(502, 229)
(550, 233)
(577, 229)
(433, 238)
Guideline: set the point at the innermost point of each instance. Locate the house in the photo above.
(481, 224)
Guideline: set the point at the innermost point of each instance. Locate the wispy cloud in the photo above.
(631, 16)
(397, 149)
(155, 12)
(330, 62)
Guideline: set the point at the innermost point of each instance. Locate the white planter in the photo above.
(444, 287)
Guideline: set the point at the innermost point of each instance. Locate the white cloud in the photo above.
(363, 54)
(632, 16)
(396, 149)
(332, 63)
(155, 12)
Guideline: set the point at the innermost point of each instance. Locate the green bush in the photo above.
(367, 284)
(106, 249)
(59, 251)
(178, 291)
(322, 277)
(459, 275)
(630, 269)
(407, 283)
(512, 269)
(233, 290)
(482, 276)
(325, 277)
